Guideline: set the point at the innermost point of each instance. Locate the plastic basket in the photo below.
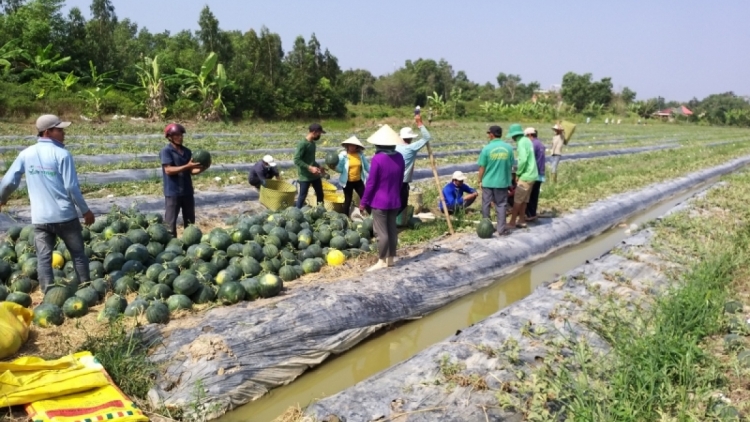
(328, 186)
(403, 219)
(416, 198)
(277, 194)
(332, 201)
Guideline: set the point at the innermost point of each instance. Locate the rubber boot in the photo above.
(380, 264)
(390, 261)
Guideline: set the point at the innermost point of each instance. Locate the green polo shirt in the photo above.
(497, 160)
(304, 157)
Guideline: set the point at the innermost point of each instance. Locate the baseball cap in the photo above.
(269, 160)
(496, 130)
(529, 131)
(49, 121)
(316, 127)
(459, 175)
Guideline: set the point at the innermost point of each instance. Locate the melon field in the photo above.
(240, 254)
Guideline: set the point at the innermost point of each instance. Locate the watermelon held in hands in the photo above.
(202, 157)
(332, 159)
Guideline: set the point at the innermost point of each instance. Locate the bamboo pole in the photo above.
(440, 189)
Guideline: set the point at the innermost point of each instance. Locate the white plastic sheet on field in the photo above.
(241, 352)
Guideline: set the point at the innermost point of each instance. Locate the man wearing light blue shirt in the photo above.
(409, 152)
(54, 193)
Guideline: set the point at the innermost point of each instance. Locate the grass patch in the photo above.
(125, 357)
(669, 358)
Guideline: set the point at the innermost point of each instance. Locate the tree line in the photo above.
(107, 65)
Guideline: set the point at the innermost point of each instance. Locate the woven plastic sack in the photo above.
(14, 327)
(29, 379)
(568, 131)
(105, 403)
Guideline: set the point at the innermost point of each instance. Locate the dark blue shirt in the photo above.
(454, 195)
(180, 184)
(259, 173)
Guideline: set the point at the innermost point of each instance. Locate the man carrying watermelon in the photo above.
(409, 152)
(178, 168)
(308, 169)
(52, 183)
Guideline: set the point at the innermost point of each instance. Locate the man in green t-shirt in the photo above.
(495, 165)
(527, 174)
(308, 169)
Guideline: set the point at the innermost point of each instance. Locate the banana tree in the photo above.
(55, 82)
(101, 85)
(42, 63)
(208, 86)
(152, 84)
(95, 98)
(437, 101)
(9, 52)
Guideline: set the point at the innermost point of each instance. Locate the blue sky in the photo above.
(676, 49)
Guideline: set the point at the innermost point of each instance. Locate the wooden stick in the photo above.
(440, 189)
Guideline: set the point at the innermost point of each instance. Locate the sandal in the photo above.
(522, 226)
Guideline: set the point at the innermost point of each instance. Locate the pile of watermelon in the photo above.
(131, 252)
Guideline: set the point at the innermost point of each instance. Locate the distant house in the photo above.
(671, 113)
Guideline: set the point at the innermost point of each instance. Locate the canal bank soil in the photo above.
(498, 369)
(239, 353)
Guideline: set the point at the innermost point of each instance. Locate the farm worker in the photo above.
(557, 145)
(409, 149)
(495, 175)
(54, 193)
(354, 167)
(454, 193)
(539, 157)
(308, 169)
(263, 170)
(527, 175)
(178, 168)
(381, 198)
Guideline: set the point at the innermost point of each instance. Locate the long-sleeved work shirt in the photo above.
(51, 180)
(409, 152)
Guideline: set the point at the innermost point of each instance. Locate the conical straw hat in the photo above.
(353, 141)
(385, 136)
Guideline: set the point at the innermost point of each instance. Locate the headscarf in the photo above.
(390, 149)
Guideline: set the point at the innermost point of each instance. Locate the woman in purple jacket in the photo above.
(382, 197)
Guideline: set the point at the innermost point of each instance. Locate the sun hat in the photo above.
(557, 127)
(269, 160)
(529, 131)
(497, 131)
(353, 141)
(515, 130)
(49, 121)
(407, 133)
(459, 175)
(385, 136)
